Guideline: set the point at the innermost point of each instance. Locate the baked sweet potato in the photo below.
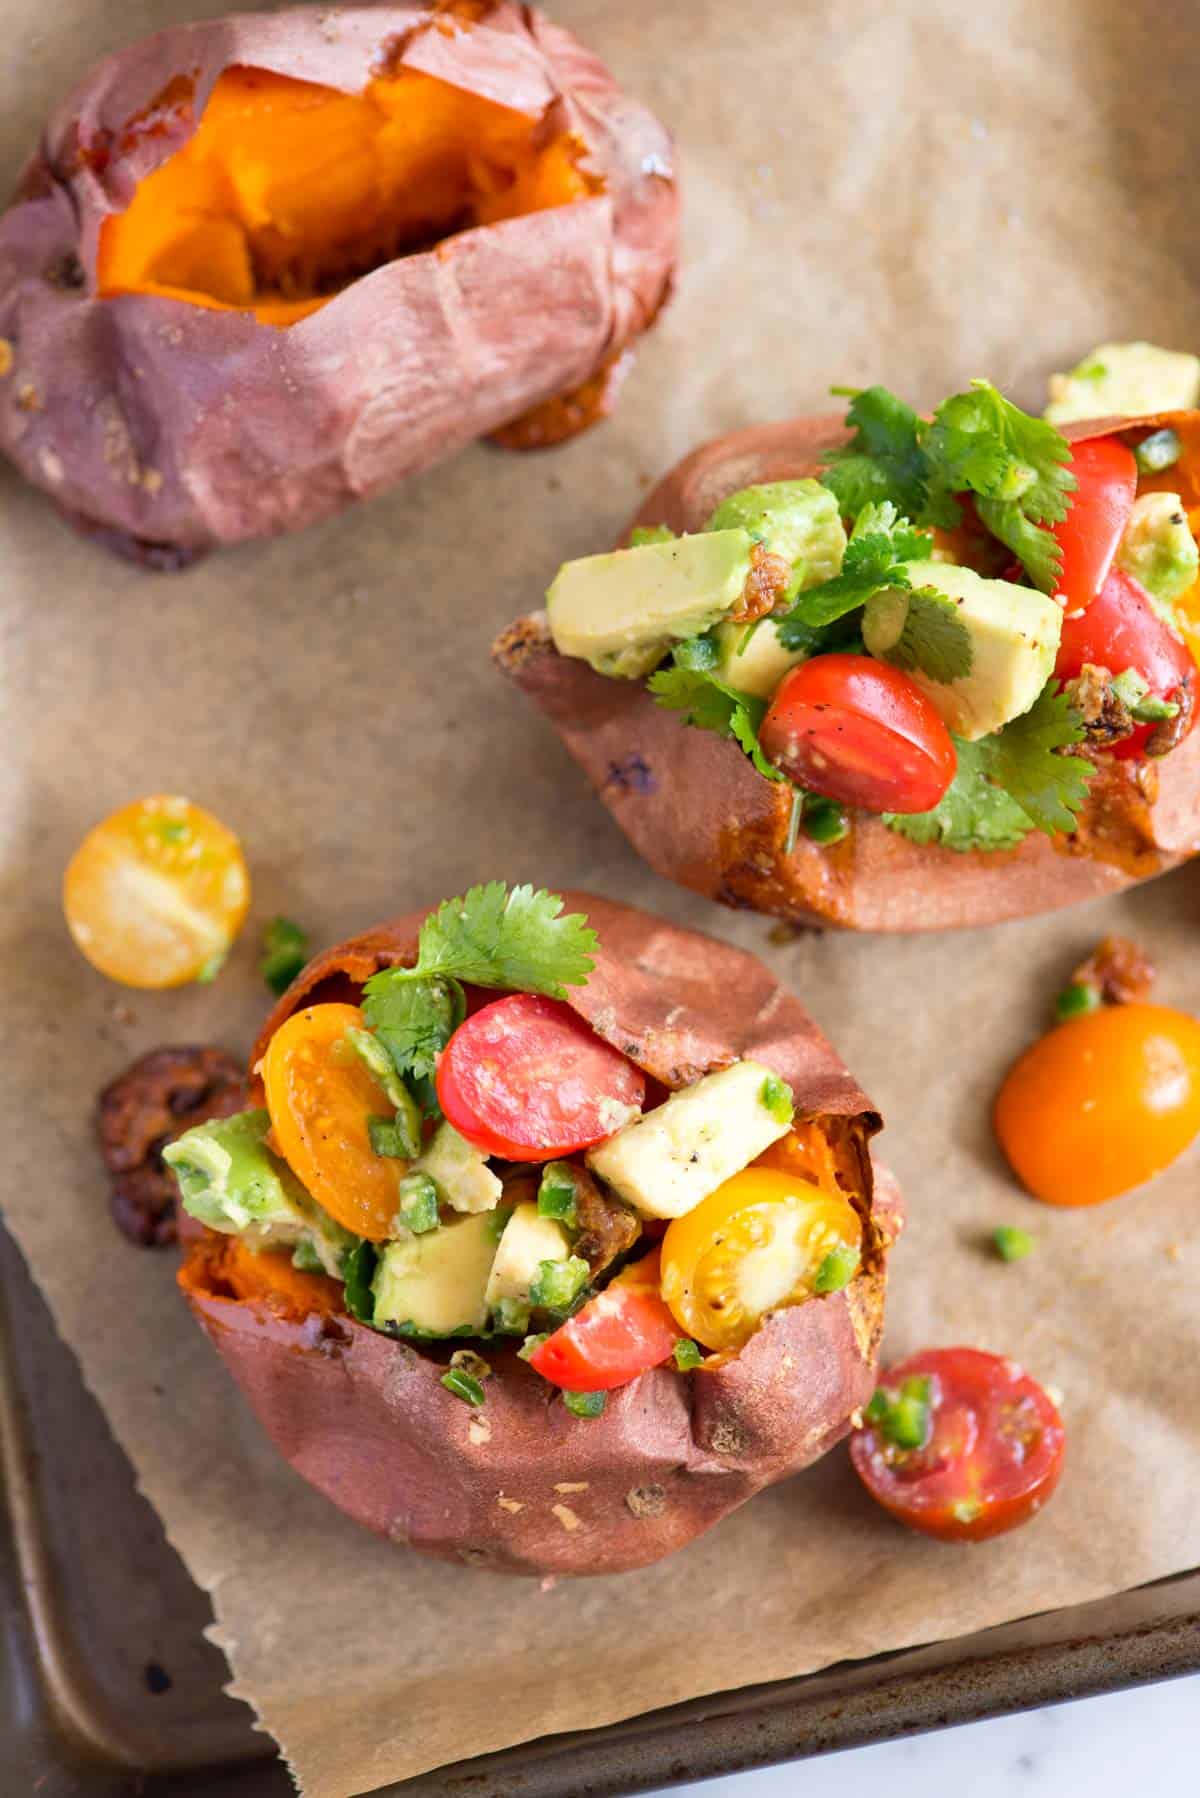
(521, 1485)
(694, 807)
(266, 265)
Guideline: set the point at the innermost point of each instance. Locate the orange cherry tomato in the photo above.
(756, 1244)
(1101, 1103)
(155, 894)
(321, 1095)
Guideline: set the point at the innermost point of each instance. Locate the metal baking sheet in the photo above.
(108, 1687)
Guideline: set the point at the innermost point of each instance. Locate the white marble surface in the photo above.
(1094, 1748)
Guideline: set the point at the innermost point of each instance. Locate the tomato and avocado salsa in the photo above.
(460, 1156)
(950, 627)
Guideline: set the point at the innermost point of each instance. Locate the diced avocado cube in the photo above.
(674, 1156)
(798, 520)
(528, 1240)
(1158, 548)
(434, 1284)
(1014, 635)
(230, 1181)
(754, 660)
(459, 1170)
(1123, 380)
(621, 612)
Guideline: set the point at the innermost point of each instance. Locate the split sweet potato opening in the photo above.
(289, 190)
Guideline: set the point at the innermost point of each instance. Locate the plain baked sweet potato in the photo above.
(521, 1485)
(263, 266)
(693, 806)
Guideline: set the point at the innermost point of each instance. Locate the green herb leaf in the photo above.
(972, 814)
(881, 542)
(284, 953)
(710, 705)
(885, 460)
(837, 1269)
(463, 1385)
(701, 653)
(414, 1020)
(1011, 1243)
(514, 938)
(688, 1354)
(585, 1404)
(934, 640)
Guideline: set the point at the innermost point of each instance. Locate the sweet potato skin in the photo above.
(522, 1486)
(165, 429)
(694, 808)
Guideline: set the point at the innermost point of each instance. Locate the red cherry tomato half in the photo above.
(989, 1444)
(1100, 506)
(861, 732)
(1121, 630)
(526, 1079)
(614, 1337)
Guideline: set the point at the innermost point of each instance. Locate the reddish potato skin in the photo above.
(696, 811)
(164, 429)
(366, 1420)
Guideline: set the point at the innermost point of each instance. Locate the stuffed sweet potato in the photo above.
(894, 674)
(266, 265)
(542, 1283)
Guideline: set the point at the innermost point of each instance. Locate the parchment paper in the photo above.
(916, 193)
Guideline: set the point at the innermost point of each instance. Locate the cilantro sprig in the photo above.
(880, 544)
(977, 442)
(709, 704)
(1010, 783)
(513, 938)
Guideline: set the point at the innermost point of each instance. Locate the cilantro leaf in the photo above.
(1049, 788)
(880, 544)
(1014, 464)
(1009, 784)
(934, 639)
(510, 937)
(885, 460)
(711, 705)
(493, 936)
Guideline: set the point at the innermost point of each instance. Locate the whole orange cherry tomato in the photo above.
(1101, 1103)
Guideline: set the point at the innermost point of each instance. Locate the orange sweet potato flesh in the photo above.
(263, 266)
(365, 1418)
(693, 806)
(289, 190)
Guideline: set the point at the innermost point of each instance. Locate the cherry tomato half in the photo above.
(155, 894)
(756, 1244)
(321, 1096)
(617, 1335)
(1121, 630)
(1100, 506)
(1101, 1103)
(963, 1445)
(861, 732)
(527, 1080)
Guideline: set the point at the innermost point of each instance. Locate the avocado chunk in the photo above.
(754, 661)
(798, 520)
(674, 1156)
(459, 1171)
(1122, 380)
(1014, 634)
(1158, 548)
(434, 1284)
(621, 612)
(230, 1181)
(529, 1239)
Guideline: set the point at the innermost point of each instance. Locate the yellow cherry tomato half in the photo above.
(321, 1096)
(1101, 1103)
(754, 1245)
(155, 894)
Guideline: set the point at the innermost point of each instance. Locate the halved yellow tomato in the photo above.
(321, 1096)
(155, 894)
(756, 1244)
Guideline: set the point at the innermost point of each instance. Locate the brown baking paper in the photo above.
(917, 193)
